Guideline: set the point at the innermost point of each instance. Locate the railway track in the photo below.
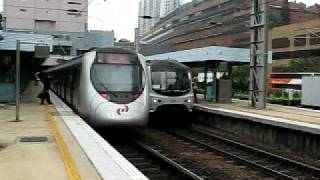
(265, 162)
(152, 163)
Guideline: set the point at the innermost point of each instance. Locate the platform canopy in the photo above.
(210, 53)
(9, 41)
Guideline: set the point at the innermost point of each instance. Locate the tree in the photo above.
(285, 12)
(274, 20)
(240, 78)
(311, 64)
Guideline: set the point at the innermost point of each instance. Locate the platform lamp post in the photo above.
(18, 44)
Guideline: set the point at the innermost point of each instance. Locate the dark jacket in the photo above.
(45, 80)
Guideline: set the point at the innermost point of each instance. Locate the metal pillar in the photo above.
(18, 81)
(205, 81)
(258, 53)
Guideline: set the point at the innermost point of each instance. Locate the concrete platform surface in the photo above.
(72, 150)
(39, 160)
(108, 161)
(273, 110)
(300, 119)
(36, 160)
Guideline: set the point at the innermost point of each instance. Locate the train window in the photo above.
(118, 77)
(170, 82)
(112, 58)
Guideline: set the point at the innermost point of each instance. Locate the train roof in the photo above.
(115, 50)
(78, 60)
(168, 64)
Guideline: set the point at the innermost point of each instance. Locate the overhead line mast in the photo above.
(258, 53)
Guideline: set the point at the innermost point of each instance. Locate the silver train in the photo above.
(108, 87)
(171, 85)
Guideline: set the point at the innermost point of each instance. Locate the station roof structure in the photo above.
(54, 60)
(9, 41)
(210, 53)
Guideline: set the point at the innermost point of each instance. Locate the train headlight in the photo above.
(157, 101)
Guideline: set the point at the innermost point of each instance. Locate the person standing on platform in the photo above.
(194, 86)
(46, 86)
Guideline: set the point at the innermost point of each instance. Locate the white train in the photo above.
(107, 87)
(170, 85)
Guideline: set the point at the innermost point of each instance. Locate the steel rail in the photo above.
(169, 161)
(242, 160)
(244, 146)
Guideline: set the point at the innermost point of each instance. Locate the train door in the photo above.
(67, 85)
(75, 85)
(64, 78)
(60, 84)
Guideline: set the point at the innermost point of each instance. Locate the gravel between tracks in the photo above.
(210, 164)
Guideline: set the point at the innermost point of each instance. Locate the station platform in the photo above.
(301, 119)
(51, 142)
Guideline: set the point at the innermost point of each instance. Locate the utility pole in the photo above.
(258, 53)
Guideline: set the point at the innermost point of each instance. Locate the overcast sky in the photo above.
(122, 15)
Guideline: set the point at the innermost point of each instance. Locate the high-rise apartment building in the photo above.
(156, 9)
(46, 15)
(168, 6)
(148, 8)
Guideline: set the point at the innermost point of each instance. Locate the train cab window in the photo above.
(118, 77)
(170, 82)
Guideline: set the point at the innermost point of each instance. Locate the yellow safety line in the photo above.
(65, 153)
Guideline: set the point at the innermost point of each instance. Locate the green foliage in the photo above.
(296, 95)
(281, 69)
(311, 64)
(305, 65)
(284, 101)
(275, 94)
(200, 91)
(274, 20)
(241, 96)
(240, 78)
(275, 98)
(285, 12)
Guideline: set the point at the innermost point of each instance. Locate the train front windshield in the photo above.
(117, 77)
(173, 82)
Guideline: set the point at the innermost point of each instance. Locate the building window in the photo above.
(72, 2)
(73, 12)
(300, 40)
(315, 38)
(45, 25)
(280, 43)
